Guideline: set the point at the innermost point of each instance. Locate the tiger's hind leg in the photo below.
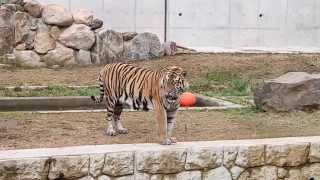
(111, 129)
(117, 113)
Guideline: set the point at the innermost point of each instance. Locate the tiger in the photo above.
(142, 89)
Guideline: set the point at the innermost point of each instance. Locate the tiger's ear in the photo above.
(184, 73)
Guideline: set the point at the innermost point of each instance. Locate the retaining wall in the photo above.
(216, 25)
(281, 158)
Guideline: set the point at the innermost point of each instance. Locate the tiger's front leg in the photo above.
(161, 116)
(171, 123)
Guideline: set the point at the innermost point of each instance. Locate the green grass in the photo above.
(221, 83)
(243, 112)
(50, 91)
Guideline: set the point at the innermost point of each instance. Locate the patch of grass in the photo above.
(243, 112)
(222, 83)
(50, 91)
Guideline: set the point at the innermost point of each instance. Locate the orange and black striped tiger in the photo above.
(144, 89)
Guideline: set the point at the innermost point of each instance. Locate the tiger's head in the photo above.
(173, 83)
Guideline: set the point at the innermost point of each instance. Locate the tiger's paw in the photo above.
(167, 141)
(111, 132)
(123, 131)
(173, 140)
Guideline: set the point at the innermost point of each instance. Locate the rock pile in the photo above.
(50, 35)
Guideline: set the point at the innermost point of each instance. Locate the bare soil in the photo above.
(24, 130)
(70, 129)
(252, 66)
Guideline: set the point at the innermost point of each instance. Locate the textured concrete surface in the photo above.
(216, 25)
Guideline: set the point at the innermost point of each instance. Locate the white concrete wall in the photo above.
(216, 25)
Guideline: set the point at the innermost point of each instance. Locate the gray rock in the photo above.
(33, 7)
(189, 175)
(23, 23)
(54, 14)
(96, 164)
(287, 155)
(118, 164)
(170, 48)
(142, 176)
(13, 7)
(86, 178)
(311, 171)
(314, 155)
(236, 171)
(282, 173)
(7, 41)
(69, 167)
(292, 91)
(229, 156)
(43, 41)
(55, 32)
(86, 17)
(35, 169)
(250, 156)
(263, 173)
(218, 174)
(127, 36)
(19, 2)
(108, 47)
(61, 55)
(294, 174)
(83, 16)
(165, 161)
(83, 57)
(143, 46)
(96, 23)
(28, 59)
(77, 36)
(204, 158)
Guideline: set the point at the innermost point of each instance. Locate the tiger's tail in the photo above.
(99, 99)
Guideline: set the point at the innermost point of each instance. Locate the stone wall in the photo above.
(282, 158)
(52, 36)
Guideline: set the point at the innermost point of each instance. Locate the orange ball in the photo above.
(188, 99)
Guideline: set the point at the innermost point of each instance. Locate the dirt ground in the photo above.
(70, 129)
(253, 66)
(25, 130)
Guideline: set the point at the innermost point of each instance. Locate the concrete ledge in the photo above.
(85, 103)
(279, 158)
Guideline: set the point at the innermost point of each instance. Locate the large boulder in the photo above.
(83, 57)
(28, 59)
(83, 16)
(86, 17)
(54, 14)
(6, 31)
(143, 46)
(23, 24)
(77, 36)
(108, 47)
(33, 7)
(291, 91)
(127, 36)
(43, 41)
(61, 56)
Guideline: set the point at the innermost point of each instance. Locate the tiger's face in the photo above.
(174, 84)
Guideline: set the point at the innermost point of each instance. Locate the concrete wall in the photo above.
(217, 25)
(282, 158)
